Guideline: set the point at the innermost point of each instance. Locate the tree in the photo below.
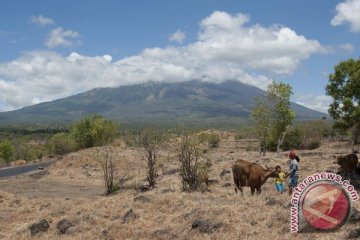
(272, 114)
(344, 88)
(61, 143)
(278, 95)
(152, 142)
(261, 114)
(6, 151)
(104, 157)
(93, 131)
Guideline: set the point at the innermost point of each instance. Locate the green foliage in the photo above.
(292, 140)
(62, 143)
(315, 130)
(297, 138)
(28, 149)
(278, 95)
(271, 145)
(246, 132)
(272, 114)
(93, 131)
(212, 139)
(261, 114)
(312, 145)
(132, 139)
(6, 151)
(239, 136)
(152, 142)
(344, 88)
(193, 168)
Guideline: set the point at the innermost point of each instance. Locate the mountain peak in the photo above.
(192, 102)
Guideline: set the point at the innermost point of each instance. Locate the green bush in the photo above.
(29, 152)
(93, 131)
(6, 151)
(292, 140)
(239, 136)
(313, 145)
(271, 145)
(62, 143)
(212, 139)
(193, 167)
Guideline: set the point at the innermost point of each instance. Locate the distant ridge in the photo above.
(192, 102)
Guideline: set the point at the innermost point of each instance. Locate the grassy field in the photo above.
(72, 189)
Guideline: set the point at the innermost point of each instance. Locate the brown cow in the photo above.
(348, 163)
(251, 175)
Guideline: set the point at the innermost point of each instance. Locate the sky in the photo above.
(54, 49)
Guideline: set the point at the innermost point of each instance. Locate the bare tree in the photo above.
(152, 142)
(104, 157)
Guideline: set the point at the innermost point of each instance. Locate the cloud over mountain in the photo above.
(228, 47)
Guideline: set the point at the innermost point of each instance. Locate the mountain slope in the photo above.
(185, 102)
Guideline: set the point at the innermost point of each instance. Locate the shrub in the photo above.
(93, 131)
(313, 145)
(239, 136)
(292, 140)
(105, 158)
(151, 141)
(132, 140)
(61, 143)
(271, 145)
(6, 151)
(212, 139)
(25, 150)
(193, 168)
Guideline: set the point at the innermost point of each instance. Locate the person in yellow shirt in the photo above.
(279, 181)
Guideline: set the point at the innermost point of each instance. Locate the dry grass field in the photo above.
(72, 189)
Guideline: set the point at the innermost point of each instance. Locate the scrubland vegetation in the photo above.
(112, 183)
(179, 206)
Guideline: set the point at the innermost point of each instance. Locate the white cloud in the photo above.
(348, 12)
(41, 20)
(61, 37)
(275, 49)
(226, 49)
(347, 47)
(178, 36)
(317, 102)
(107, 58)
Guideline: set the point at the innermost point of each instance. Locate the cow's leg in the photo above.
(252, 190)
(241, 190)
(258, 190)
(236, 181)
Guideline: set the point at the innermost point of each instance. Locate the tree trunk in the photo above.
(355, 132)
(280, 141)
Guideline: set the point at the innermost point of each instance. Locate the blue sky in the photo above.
(53, 49)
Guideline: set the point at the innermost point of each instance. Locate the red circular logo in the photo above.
(326, 206)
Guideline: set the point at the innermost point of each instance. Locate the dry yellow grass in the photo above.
(73, 189)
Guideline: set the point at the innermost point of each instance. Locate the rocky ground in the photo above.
(66, 201)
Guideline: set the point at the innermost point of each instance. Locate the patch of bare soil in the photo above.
(71, 193)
